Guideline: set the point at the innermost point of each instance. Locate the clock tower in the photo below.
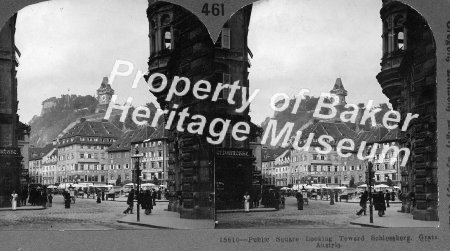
(104, 94)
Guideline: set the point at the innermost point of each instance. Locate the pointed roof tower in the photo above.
(338, 88)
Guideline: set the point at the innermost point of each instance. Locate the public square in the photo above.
(317, 214)
(85, 214)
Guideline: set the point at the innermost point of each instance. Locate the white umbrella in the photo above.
(363, 185)
(52, 186)
(381, 186)
(148, 185)
(284, 188)
(396, 187)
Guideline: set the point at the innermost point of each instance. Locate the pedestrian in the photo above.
(154, 196)
(99, 196)
(379, 203)
(24, 196)
(387, 197)
(393, 195)
(130, 202)
(147, 202)
(103, 195)
(50, 199)
(363, 203)
(44, 198)
(159, 194)
(336, 196)
(283, 201)
(246, 202)
(299, 197)
(66, 196)
(14, 198)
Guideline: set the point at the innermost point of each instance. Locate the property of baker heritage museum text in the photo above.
(174, 138)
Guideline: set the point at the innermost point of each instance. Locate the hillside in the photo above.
(64, 114)
(304, 116)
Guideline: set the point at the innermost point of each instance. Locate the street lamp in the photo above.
(136, 158)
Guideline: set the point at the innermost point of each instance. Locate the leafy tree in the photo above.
(352, 182)
(389, 182)
(118, 181)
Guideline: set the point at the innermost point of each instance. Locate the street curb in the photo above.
(242, 211)
(28, 209)
(143, 224)
(366, 225)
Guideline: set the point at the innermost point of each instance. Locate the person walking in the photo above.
(246, 202)
(14, 198)
(130, 202)
(66, 196)
(387, 197)
(44, 198)
(393, 195)
(154, 196)
(299, 197)
(379, 203)
(24, 197)
(50, 199)
(99, 196)
(363, 203)
(147, 202)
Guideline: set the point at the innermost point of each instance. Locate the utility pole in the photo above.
(370, 175)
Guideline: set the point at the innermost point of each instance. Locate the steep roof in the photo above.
(36, 153)
(159, 133)
(94, 129)
(124, 143)
(142, 134)
(270, 154)
(337, 130)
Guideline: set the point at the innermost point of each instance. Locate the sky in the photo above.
(69, 46)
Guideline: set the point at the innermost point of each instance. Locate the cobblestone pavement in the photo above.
(84, 214)
(318, 214)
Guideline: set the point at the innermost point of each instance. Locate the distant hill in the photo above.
(62, 113)
(304, 117)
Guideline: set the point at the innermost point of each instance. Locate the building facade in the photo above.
(180, 45)
(10, 156)
(82, 152)
(49, 167)
(408, 79)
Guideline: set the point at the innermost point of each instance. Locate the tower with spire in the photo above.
(341, 93)
(104, 95)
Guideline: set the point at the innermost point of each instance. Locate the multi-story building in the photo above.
(268, 156)
(330, 168)
(408, 79)
(386, 167)
(48, 168)
(153, 144)
(10, 156)
(82, 151)
(120, 168)
(36, 156)
(23, 142)
(282, 168)
(180, 45)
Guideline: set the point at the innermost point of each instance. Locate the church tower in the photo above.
(104, 94)
(339, 90)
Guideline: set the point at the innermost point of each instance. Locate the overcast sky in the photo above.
(69, 46)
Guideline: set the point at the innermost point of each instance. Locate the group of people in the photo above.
(380, 201)
(146, 198)
(35, 196)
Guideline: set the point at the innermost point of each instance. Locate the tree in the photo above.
(352, 182)
(118, 181)
(389, 182)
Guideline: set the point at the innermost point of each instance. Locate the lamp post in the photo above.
(370, 166)
(136, 157)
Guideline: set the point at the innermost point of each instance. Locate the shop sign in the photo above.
(234, 153)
